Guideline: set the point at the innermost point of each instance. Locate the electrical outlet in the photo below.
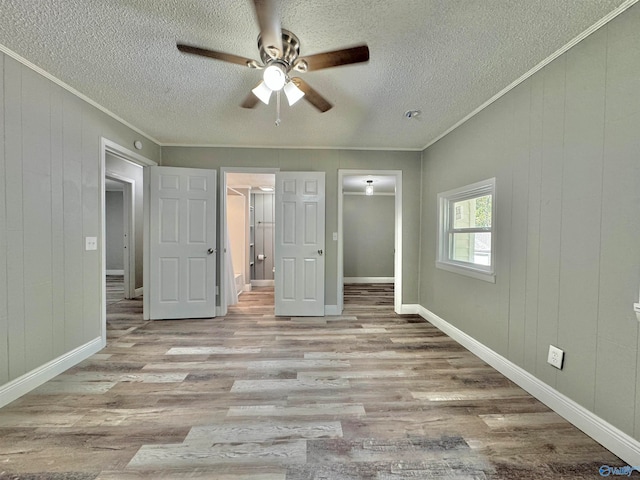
(90, 243)
(556, 357)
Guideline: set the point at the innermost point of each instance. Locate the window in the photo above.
(466, 240)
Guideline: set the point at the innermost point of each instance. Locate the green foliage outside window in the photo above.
(483, 211)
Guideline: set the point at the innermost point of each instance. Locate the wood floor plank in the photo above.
(363, 395)
(263, 432)
(186, 455)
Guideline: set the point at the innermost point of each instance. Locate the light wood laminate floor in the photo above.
(366, 395)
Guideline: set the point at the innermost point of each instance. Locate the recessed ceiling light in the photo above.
(266, 188)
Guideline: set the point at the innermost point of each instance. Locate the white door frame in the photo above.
(129, 244)
(223, 227)
(397, 259)
(108, 146)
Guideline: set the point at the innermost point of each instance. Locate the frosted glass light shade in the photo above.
(262, 92)
(293, 93)
(368, 190)
(274, 77)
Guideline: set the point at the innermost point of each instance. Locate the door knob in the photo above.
(319, 252)
(210, 251)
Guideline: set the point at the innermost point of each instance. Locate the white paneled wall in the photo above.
(565, 149)
(50, 176)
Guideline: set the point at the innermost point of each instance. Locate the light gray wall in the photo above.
(328, 161)
(564, 147)
(49, 201)
(114, 230)
(368, 235)
(126, 169)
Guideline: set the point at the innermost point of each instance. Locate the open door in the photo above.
(182, 243)
(299, 249)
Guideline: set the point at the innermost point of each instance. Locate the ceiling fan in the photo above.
(279, 51)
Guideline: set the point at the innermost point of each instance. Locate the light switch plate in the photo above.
(90, 243)
(335, 236)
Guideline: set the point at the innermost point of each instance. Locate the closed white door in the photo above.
(182, 243)
(299, 249)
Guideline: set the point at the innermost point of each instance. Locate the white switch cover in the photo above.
(335, 236)
(90, 243)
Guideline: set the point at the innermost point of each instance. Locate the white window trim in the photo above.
(445, 199)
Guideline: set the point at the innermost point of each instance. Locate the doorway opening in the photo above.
(120, 256)
(370, 232)
(121, 170)
(247, 234)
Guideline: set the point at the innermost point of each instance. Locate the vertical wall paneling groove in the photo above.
(532, 258)
(13, 192)
(580, 214)
(72, 205)
(574, 241)
(550, 214)
(91, 215)
(36, 169)
(4, 337)
(519, 211)
(57, 219)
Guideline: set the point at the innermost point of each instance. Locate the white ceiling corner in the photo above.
(443, 57)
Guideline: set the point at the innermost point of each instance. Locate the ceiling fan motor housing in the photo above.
(290, 47)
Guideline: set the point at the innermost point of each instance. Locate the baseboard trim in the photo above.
(139, 291)
(368, 279)
(115, 272)
(24, 384)
(262, 283)
(612, 438)
(331, 310)
(247, 287)
(409, 309)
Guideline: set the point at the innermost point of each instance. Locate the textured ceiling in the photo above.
(444, 57)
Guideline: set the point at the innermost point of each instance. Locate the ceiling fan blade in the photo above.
(311, 95)
(225, 57)
(250, 102)
(268, 15)
(335, 58)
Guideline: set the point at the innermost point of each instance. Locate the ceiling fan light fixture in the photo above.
(293, 93)
(263, 93)
(274, 77)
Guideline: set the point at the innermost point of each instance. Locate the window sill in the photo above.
(467, 271)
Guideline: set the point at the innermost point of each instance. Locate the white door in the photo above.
(299, 249)
(182, 243)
